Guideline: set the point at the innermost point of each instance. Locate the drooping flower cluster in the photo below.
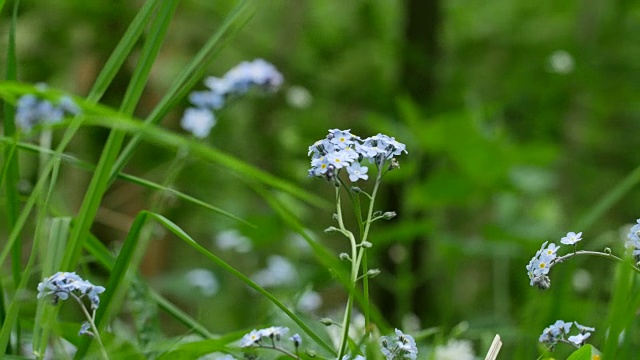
(256, 338)
(634, 240)
(558, 333)
(341, 149)
(541, 263)
(401, 346)
(61, 285)
(32, 110)
(245, 76)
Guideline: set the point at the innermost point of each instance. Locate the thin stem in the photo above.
(592, 253)
(353, 278)
(279, 349)
(91, 319)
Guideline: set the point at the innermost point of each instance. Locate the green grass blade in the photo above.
(122, 50)
(13, 174)
(51, 254)
(191, 74)
(168, 139)
(117, 280)
(83, 165)
(609, 199)
(100, 180)
(104, 257)
(618, 308)
(14, 307)
(322, 254)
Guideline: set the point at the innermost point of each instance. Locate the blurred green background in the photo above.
(519, 117)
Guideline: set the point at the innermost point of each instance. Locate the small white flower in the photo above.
(571, 238)
(455, 350)
(198, 122)
(357, 171)
(204, 280)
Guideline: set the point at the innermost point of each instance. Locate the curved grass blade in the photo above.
(190, 75)
(169, 139)
(117, 280)
(14, 307)
(104, 257)
(100, 180)
(322, 254)
(83, 165)
(609, 199)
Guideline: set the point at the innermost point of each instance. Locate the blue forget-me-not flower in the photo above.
(245, 76)
(341, 149)
(32, 110)
(401, 346)
(61, 285)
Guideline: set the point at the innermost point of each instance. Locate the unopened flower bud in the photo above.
(310, 353)
(373, 273)
(542, 282)
(389, 215)
(394, 164)
(345, 257)
(326, 321)
(366, 244)
(356, 190)
(330, 229)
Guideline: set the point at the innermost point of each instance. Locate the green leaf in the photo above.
(195, 349)
(586, 352)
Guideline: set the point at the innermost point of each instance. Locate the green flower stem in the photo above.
(592, 253)
(357, 255)
(362, 256)
(94, 329)
(284, 351)
(352, 279)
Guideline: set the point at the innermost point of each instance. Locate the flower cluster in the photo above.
(61, 285)
(341, 149)
(634, 240)
(541, 263)
(275, 333)
(401, 346)
(239, 80)
(558, 331)
(31, 111)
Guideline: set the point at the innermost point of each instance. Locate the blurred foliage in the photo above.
(523, 127)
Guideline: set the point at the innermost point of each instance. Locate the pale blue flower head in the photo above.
(85, 329)
(297, 340)
(341, 149)
(61, 285)
(402, 346)
(571, 238)
(540, 264)
(32, 110)
(198, 121)
(357, 171)
(252, 338)
(579, 339)
(634, 239)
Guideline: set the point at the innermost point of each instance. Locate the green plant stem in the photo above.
(592, 253)
(362, 256)
(352, 278)
(284, 351)
(357, 256)
(91, 319)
